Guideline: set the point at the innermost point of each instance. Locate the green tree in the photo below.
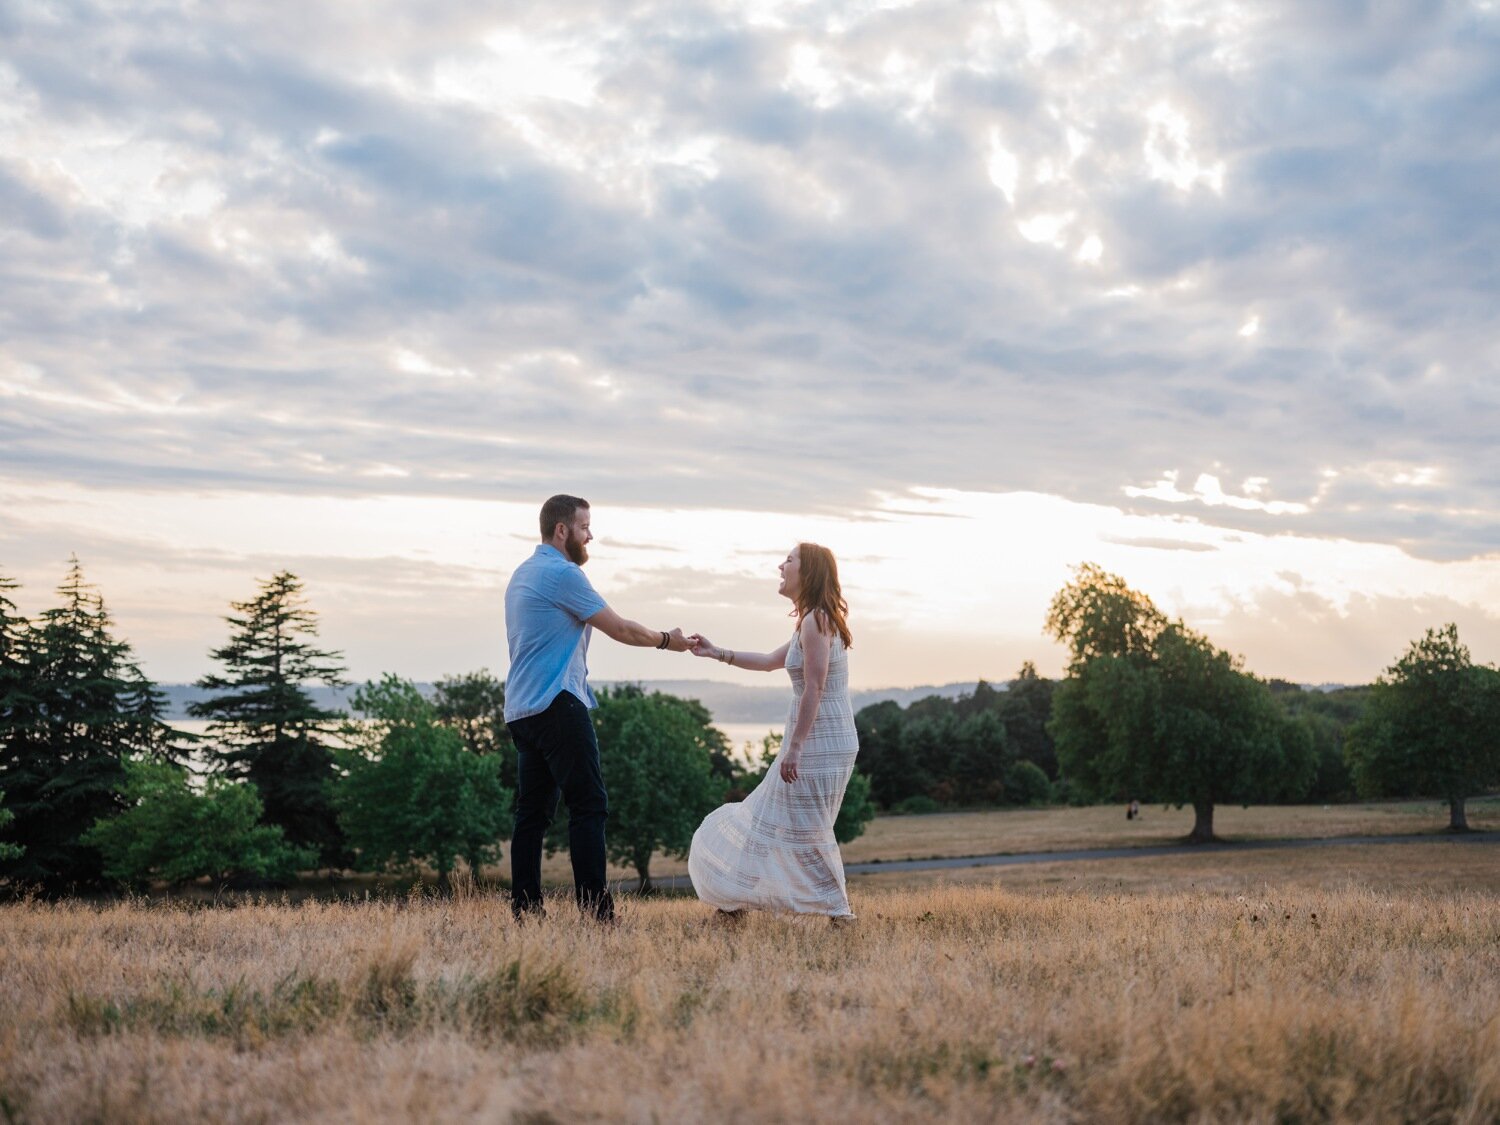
(855, 811)
(412, 792)
(1432, 727)
(656, 760)
(172, 832)
(8, 851)
(15, 696)
(884, 756)
(473, 704)
(75, 708)
(1025, 707)
(1151, 709)
(264, 724)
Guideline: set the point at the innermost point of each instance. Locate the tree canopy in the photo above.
(656, 756)
(1152, 710)
(172, 832)
(412, 792)
(1432, 726)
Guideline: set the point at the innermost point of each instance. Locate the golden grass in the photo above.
(1009, 831)
(973, 1001)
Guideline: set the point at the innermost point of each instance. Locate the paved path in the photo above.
(682, 883)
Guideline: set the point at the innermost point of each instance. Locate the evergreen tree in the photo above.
(7, 851)
(75, 707)
(265, 726)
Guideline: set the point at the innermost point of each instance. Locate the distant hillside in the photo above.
(728, 703)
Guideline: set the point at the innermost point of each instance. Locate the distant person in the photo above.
(551, 610)
(775, 850)
(1133, 811)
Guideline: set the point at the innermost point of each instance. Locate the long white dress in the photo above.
(775, 849)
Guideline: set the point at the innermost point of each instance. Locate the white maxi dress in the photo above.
(775, 849)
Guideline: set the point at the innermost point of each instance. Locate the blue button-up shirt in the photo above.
(546, 604)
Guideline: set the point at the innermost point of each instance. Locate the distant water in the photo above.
(737, 733)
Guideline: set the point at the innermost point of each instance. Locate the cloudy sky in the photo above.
(1204, 292)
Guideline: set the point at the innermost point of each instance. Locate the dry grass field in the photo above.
(1009, 831)
(1338, 984)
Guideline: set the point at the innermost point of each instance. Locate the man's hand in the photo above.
(677, 642)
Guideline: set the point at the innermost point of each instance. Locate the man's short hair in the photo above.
(559, 509)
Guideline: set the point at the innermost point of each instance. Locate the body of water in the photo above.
(737, 733)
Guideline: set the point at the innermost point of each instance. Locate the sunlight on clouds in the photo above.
(1250, 327)
(520, 67)
(1048, 228)
(1208, 491)
(1092, 249)
(1169, 152)
(414, 363)
(1003, 167)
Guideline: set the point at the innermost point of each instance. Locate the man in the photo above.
(551, 610)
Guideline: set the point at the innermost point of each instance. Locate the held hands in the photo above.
(676, 642)
(699, 645)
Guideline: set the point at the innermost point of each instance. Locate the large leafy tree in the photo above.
(412, 792)
(657, 764)
(263, 722)
(1432, 726)
(473, 704)
(1150, 708)
(73, 707)
(174, 832)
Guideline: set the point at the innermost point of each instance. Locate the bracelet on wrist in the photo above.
(666, 639)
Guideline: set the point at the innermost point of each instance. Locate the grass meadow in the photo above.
(1331, 984)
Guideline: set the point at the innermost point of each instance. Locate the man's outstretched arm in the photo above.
(628, 632)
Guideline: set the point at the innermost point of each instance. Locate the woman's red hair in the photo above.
(818, 591)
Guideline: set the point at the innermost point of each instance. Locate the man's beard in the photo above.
(577, 550)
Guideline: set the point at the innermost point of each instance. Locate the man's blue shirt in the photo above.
(546, 604)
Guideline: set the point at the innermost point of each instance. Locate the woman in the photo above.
(775, 849)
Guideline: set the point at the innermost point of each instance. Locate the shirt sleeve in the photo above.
(576, 594)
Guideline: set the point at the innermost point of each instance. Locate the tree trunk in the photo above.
(1203, 823)
(445, 886)
(1458, 818)
(643, 869)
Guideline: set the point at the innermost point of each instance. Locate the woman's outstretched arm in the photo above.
(700, 645)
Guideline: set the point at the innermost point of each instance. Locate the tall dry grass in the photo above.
(955, 1002)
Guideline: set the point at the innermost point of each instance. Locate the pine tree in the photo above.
(75, 707)
(265, 726)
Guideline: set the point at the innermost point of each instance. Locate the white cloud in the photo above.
(759, 260)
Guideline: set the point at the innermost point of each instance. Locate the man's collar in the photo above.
(540, 547)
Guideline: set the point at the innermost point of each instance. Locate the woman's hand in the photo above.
(789, 762)
(699, 645)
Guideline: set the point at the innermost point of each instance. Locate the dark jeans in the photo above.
(557, 753)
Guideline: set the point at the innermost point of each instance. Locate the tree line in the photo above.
(98, 789)
(1151, 710)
